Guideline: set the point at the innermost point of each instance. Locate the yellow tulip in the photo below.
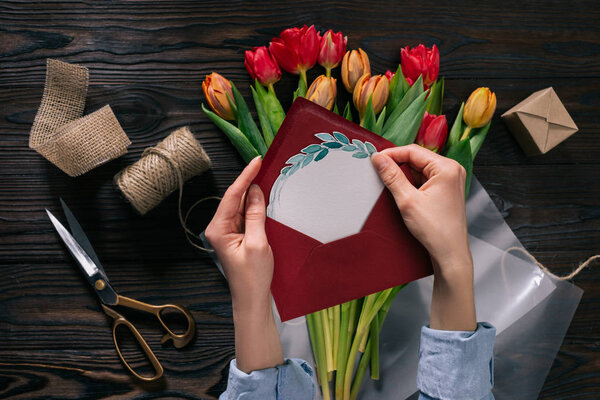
(354, 65)
(216, 88)
(376, 87)
(480, 107)
(323, 91)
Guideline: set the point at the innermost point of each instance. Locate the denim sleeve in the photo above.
(456, 364)
(290, 381)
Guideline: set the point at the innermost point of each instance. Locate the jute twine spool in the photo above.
(162, 169)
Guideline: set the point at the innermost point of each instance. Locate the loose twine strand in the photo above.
(573, 274)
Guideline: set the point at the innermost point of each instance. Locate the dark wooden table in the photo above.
(148, 60)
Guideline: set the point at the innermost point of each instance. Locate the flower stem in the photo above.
(328, 72)
(466, 133)
(327, 335)
(303, 77)
(374, 350)
(336, 335)
(343, 340)
(360, 371)
(314, 319)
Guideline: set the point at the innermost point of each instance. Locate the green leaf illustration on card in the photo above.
(330, 142)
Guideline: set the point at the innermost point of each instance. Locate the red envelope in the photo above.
(310, 275)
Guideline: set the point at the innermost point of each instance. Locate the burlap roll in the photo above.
(73, 143)
(162, 169)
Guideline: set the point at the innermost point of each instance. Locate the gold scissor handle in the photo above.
(120, 320)
(178, 340)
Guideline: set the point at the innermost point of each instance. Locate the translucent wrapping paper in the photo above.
(530, 310)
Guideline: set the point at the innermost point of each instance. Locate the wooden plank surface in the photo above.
(148, 59)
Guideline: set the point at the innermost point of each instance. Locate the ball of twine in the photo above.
(162, 169)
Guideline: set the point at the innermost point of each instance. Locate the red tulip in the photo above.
(332, 49)
(418, 61)
(389, 74)
(262, 66)
(433, 132)
(296, 49)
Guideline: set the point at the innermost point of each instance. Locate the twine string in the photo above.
(175, 164)
(573, 274)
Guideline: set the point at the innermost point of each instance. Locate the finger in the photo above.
(231, 204)
(414, 155)
(393, 177)
(255, 217)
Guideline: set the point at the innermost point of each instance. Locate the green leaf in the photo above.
(436, 98)
(370, 148)
(321, 154)
(237, 138)
(477, 137)
(349, 147)
(332, 145)
(295, 159)
(360, 154)
(265, 124)
(274, 110)
(359, 145)
(380, 121)
(413, 93)
(457, 128)
(369, 121)
(461, 152)
(405, 128)
(340, 137)
(326, 137)
(397, 89)
(301, 90)
(335, 109)
(312, 148)
(307, 160)
(348, 112)
(247, 124)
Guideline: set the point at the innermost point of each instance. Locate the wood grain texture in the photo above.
(147, 60)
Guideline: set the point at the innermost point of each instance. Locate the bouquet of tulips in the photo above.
(404, 107)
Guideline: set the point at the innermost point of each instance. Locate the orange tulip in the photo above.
(323, 91)
(354, 65)
(216, 89)
(376, 87)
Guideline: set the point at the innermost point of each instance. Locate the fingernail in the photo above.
(254, 159)
(379, 161)
(254, 194)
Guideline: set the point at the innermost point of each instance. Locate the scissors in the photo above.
(81, 249)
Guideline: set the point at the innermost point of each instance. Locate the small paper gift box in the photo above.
(540, 122)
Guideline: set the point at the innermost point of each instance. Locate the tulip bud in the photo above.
(433, 132)
(479, 108)
(419, 61)
(389, 74)
(322, 91)
(376, 87)
(354, 65)
(216, 89)
(262, 66)
(331, 50)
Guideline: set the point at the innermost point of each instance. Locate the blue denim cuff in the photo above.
(457, 364)
(290, 381)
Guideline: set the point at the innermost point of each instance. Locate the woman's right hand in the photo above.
(435, 214)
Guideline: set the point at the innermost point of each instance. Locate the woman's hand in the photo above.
(435, 214)
(237, 233)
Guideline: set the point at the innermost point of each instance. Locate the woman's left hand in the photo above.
(237, 233)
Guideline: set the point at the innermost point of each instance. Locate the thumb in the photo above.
(255, 216)
(393, 177)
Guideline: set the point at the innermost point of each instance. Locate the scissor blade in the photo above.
(84, 261)
(80, 236)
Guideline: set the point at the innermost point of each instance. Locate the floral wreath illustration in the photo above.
(316, 152)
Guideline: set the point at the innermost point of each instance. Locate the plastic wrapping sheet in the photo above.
(530, 310)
